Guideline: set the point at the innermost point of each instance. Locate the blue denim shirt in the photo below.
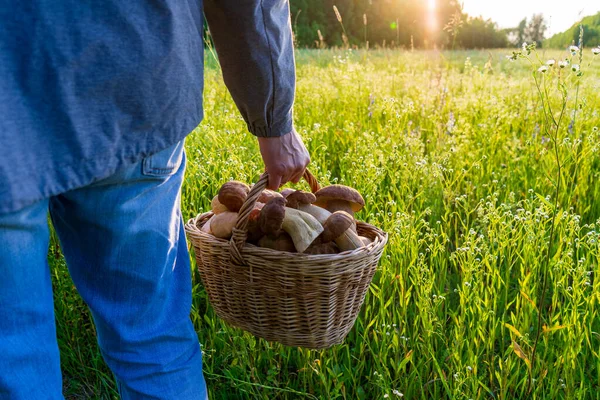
(87, 87)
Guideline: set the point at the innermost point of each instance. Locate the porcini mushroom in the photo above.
(272, 216)
(233, 195)
(338, 228)
(206, 227)
(254, 231)
(216, 206)
(339, 198)
(286, 192)
(267, 195)
(222, 224)
(303, 202)
(302, 227)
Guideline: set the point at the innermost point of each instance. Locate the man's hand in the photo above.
(285, 158)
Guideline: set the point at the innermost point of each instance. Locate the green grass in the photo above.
(449, 155)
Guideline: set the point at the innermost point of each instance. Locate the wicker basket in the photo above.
(295, 299)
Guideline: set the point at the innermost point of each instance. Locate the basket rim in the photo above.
(195, 234)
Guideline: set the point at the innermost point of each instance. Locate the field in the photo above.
(484, 198)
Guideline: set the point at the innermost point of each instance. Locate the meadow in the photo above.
(484, 198)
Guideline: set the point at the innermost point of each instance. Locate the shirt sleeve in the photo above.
(253, 39)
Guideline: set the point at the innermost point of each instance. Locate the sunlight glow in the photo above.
(431, 19)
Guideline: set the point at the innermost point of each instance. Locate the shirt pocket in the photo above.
(164, 163)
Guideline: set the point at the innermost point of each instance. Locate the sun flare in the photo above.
(431, 18)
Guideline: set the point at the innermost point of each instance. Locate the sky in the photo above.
(562, 14)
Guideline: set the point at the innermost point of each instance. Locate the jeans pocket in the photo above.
(164, 163)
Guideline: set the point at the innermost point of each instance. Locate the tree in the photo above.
(479, 33)
(536, 29)
(521, 32)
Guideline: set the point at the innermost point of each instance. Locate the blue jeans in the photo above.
(124, 244)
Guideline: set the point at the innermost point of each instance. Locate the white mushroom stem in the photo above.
(222, 224)
(302, 227)
(349, 240)
(319, 213)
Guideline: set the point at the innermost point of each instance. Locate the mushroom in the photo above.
(286, 192)
(302, 227)
(303, 202)
(338, 228)
(233, 195)
(206, 227)
(222, 224)
(281, 242)
(299, 197)
(272, 216)
(254, 231)
(216, 206)
(339, 198)
(267, 195)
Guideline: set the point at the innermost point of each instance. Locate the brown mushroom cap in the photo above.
(287, 191)
(336, 225)
(299, 197)
(336, 193)
(233, 195)
(254, 231)
(267, 195)
(272, 215)
(222, 224)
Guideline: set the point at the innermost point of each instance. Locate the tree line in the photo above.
(407, 24)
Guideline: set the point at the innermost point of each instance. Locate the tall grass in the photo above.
(450, 152)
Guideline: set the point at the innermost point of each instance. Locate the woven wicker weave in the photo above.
(295, 299)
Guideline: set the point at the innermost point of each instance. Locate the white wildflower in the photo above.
(573, 49)
(575, 67)
(550, 63)
(397, 393)
(596, 50)
(543, 69)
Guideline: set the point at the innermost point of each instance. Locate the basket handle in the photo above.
(240, 231)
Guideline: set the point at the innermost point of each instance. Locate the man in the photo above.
(96, 98)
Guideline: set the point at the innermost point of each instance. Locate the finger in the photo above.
(296, 178)
(288, 175)
(274, 181)
(301, 171)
